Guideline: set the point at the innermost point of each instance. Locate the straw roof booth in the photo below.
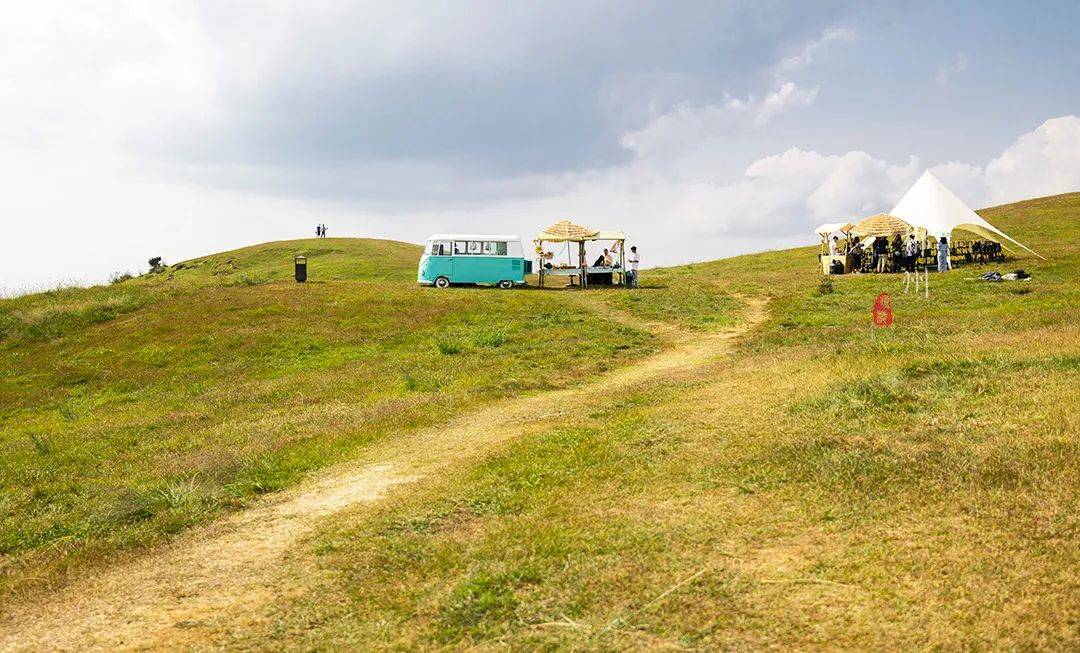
(566, 231)
(880, 225)
(570, 234)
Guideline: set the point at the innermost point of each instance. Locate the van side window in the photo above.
(460, 247)
(474, 247)
(440, 248)
(495, 248)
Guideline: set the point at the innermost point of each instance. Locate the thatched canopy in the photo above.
(564, 230)
(881, 224)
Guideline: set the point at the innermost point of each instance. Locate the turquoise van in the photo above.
(473, 259)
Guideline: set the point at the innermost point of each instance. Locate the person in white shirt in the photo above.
(834, 246)
(633, 259)
(911, 252)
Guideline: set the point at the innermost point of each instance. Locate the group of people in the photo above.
(607, 260)
(898, 256)
(320, 231)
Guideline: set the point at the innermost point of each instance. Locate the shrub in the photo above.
(448, 346)
(41, 444)
(492, 339)
(120, 277)
(248, 280)
(825, 287)
(157, 264)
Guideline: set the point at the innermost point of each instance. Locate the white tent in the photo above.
(929, 205)
(830, 228)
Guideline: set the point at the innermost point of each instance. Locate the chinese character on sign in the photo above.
(883, 310)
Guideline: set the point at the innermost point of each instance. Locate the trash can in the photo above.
(301, 268)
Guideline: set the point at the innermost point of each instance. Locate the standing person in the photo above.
(897, 253)
(943, 255)
(324, 231)
(911, 253)
(856, 254)
(318, 231)
(834, 246)
(881, 252)
(633, 259)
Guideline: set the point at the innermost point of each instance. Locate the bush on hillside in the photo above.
(447, 346)
(120, 277)
(157, 264)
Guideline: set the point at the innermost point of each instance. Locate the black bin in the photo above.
(301, 268)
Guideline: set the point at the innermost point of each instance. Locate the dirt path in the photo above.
(218, 578)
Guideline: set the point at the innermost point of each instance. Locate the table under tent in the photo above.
(842, 231)
(568, 257)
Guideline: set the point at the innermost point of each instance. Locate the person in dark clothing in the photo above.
(856, 253)
(879, 249)
(897, 253)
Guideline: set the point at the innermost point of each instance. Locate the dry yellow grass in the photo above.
(827, 486)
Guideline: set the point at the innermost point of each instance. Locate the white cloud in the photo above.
(781, 195)
(787, 96)
(945, 73)
(1043, 162)
(685, 125)
(812, 48)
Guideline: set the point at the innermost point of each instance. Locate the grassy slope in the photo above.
(831, 487)
(131, 411)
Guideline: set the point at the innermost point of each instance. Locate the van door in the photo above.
(438, 261)
(459, 261)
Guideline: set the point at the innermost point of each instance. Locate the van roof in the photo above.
(472, 237)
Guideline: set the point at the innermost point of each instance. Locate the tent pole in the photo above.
(622, 261)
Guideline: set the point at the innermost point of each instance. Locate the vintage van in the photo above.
(473, 259)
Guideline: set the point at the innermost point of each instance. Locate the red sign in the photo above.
(883, 310)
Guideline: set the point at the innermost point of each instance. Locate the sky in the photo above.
(701, 129)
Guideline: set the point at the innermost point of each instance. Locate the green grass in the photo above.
(830, 486)
(54, 313)
(132, 411)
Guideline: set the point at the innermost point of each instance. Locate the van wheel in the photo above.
(506, 285)
(442, 282)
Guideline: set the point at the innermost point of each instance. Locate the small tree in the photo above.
(157, 264)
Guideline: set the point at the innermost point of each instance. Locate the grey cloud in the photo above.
(492, 95)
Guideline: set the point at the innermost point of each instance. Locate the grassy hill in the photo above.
(828, 486)
(131, 411)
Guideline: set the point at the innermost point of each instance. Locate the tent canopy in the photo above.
(566, 231)
(609, 235)
(931, 206)
(882, 224)
(832, 227)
